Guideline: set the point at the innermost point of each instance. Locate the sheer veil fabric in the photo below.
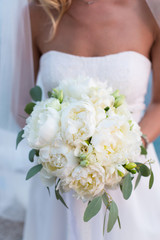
(16, 79)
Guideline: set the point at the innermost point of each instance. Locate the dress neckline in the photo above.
(51, 52)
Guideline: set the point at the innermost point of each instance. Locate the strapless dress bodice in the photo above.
(127, 71)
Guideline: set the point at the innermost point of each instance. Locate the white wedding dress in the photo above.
(47, 218)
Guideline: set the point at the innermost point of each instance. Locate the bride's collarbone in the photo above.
(126, 31)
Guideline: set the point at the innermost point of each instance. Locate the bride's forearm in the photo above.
(150, 123)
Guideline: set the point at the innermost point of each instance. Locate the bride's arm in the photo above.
(150, 123)
(35, 18)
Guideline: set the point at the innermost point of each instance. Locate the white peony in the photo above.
(117, 140)
(57, 159)
(78, 88)
(101, 97)
(112, 178)
(109, 135)
(87, 182)
(78, 122)
(43, 124)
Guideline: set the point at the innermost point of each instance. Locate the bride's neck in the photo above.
(80, 8)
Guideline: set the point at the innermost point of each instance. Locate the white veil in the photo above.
(16, 79)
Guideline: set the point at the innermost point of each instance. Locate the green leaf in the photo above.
(115, 93)
(138, 180)
(88, 140)
(151, 180)
(29, 108)
(33, 171)
(58, 94)
(105, 200)
(59, 197)
(19, 137)
(31, 155)
(127, 186)
(120, 173)
(138, 165)
(49, 192)
(119, 222)
(120, 186)
(36, 93)
(113, 215)
(133, 171)
(37, 153)
(145, 171)
(107, 109)
(104, 222)
(49, 94)
(92, 209)
(143, 150)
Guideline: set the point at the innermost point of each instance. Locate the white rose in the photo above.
(58, 160)
(43, 124)
(78, 122)
(87, 182)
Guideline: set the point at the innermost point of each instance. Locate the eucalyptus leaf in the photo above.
(120, 186)
(113, 215)
(49, 192)
(29, 108)
(138, 180)
(151, 180)
(145, 171)
(92, 209)
(49, 94)
(127, 186)
(19, 137)
(138, 166)
(32, 153)
(104, 222)
(33, 171)
(119, 222)
(36, 93)
(37, 152)
(105, 199)
(143, 150)
(59, 197)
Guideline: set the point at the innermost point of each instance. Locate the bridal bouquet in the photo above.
(84, 138)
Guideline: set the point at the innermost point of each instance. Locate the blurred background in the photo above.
(147, 101)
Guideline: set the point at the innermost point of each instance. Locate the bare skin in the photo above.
(103, 28)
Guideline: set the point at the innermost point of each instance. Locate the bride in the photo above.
(113, 40)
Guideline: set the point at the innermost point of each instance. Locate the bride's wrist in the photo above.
(145, 140)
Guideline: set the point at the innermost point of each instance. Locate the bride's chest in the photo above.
(108, 30)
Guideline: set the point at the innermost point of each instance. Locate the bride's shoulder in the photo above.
(39, 17)
(147, 11)
(37, 13)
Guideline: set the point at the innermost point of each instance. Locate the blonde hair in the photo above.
(61, 6)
